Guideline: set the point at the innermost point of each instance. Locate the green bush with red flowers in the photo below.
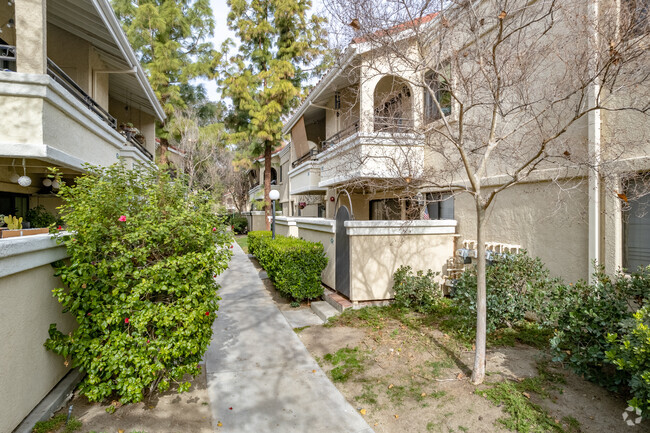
(144, 251)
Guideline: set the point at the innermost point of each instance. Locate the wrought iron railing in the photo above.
(340, 136)
(393, 124)
(73, 88)
(68, 83)
(7, 53)
(306, 157)
(132, 140)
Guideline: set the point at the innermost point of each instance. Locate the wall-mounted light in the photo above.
(332, 198)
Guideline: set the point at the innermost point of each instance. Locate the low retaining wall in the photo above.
(256, 220)
(377, 250)
(27, 308)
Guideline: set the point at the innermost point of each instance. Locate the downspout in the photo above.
(594, 151)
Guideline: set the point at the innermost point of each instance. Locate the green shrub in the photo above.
(294, 265)
(239, 223)
(630, 353)
(254, 240)
(516, 284)
(419, 292)
(39, 217)
(140, 284)
(591, 313)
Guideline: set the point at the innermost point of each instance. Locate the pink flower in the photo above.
(59, 228)
(122, 218)
(214, 229)
(231, 246)
(207, 313)
(126, 320)
(147, 341)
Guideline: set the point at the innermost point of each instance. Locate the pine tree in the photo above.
(171, 38)
(278, 43)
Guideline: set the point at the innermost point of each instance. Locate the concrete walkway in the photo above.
(261, 378)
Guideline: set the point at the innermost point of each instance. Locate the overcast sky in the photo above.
(220, 9)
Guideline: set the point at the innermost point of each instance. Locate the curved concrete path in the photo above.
(261, 378)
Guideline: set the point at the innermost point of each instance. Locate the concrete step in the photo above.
(324, 310)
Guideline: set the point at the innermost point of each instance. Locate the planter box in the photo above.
(22, 232)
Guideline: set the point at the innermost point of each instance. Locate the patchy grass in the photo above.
(523, 415)
(527, 333)
(299, 330)
(242, 240)
(57, 424)
(346, 362)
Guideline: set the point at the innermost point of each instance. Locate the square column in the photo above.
(31, 36)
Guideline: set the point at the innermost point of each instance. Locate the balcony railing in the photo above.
(306, 157)
(133, 141)
(68, 83)
(73, 88)
(7, 53)
(340, 136)
(393, 124)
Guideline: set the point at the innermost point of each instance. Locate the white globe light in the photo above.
(274, 195)
(55, 184)
(47, 182)
(14, 177)
(24, 181)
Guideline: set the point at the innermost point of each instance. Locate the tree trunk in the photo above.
(267, 184)
(478, 374)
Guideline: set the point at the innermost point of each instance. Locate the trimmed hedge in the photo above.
(294, 265)
(254, 240)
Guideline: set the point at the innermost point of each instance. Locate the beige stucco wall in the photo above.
(29, 371)
(374, 260)
(549, 223)
(328, 239)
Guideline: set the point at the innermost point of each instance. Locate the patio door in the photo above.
(342, 280)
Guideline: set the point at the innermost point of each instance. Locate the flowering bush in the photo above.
(143, 253)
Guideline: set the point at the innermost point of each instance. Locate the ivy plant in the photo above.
(144, 250)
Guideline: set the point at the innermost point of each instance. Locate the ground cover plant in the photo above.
(144, 251)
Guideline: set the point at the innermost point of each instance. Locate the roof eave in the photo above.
(333, 73)
(108, 16)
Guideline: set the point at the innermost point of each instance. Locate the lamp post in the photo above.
(273, 195)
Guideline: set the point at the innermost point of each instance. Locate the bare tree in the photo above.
(506, 88)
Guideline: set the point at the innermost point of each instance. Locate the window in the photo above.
(385, 209)
(636, 14)
(437, 86)
(274, 176)
(13, 204)
(636, 222)
(440, 206)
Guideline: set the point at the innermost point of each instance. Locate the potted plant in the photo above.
(15, 228)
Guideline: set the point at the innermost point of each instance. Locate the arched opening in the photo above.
(393, 104)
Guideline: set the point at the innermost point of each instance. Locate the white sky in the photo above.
(220, 10)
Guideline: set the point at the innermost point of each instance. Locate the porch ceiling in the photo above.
(95, 22)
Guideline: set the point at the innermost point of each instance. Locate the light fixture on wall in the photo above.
(56, 184)
(47, 182)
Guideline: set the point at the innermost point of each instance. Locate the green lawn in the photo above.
(242, 240)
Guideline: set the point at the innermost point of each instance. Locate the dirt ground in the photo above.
(414, 381)
(169, 412)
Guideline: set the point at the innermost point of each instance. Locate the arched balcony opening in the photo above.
(393, 105)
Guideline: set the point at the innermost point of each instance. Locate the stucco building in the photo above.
(71, 92)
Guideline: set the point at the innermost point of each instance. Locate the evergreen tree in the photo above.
(171, 37)
(278, 43)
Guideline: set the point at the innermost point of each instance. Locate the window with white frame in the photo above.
(437, 88)
(636, 222)
(439, 206)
